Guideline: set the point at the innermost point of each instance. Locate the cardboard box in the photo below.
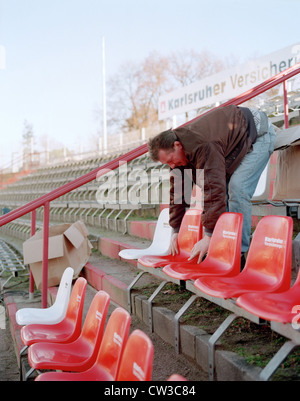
(287, 181)
(68, 246)
(287, 137)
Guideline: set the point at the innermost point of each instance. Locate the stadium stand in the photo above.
(110, 202)
(96, 203)
(10, 262)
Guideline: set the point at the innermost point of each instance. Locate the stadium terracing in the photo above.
(122, 196)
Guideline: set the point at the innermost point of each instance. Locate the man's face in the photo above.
(174, 157)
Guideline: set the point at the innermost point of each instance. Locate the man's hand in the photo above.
(200, 248)
(173, 250)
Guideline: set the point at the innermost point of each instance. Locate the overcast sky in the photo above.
(53, 71)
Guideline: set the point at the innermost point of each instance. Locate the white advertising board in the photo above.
(228, 83)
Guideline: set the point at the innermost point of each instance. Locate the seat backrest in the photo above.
(137, 360)
(75, 307)
(114, 340)
(163, 231)
(270, 252)
(225, 243)
(64, 290)
(190, 231)
(93, 327)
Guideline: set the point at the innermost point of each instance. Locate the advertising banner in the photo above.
(228, 83)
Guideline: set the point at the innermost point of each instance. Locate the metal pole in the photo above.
(286, 105)
(104, 98)
(45, 254)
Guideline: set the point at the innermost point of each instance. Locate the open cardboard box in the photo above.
(287, 181)
(68, 246)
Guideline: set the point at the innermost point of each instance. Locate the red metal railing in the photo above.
(282, 77)
(44, 201)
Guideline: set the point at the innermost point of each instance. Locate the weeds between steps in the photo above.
(257, 344)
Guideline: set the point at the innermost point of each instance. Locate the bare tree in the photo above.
(122, 95)
(188, 66)
(134, 91)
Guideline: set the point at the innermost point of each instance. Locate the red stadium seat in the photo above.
(223, 256)
(268, 265)
(280, 307)
(80, 354)
(65, 331)
(175, 377)
(137, 359)
(190, 232)
(111, 349)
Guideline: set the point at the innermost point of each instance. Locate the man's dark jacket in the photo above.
(216, 142)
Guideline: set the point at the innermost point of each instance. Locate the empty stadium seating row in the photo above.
(108, 200)
(262, 291)
(46, 179)
(96, 351)
(105, 204)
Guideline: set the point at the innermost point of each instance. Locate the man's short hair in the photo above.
(165, 140)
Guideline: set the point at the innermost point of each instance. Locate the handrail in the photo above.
(56, 193)
(44, 201)
(266, 85)
(257, 90)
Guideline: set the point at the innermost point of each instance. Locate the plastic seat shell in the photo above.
(80, 354)
(161, 240)
(109, 356)
(65, 331)
(137, 360)
(55, 313)
(268, 264)
(223, 256)
(190, 232)
(280, 307)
